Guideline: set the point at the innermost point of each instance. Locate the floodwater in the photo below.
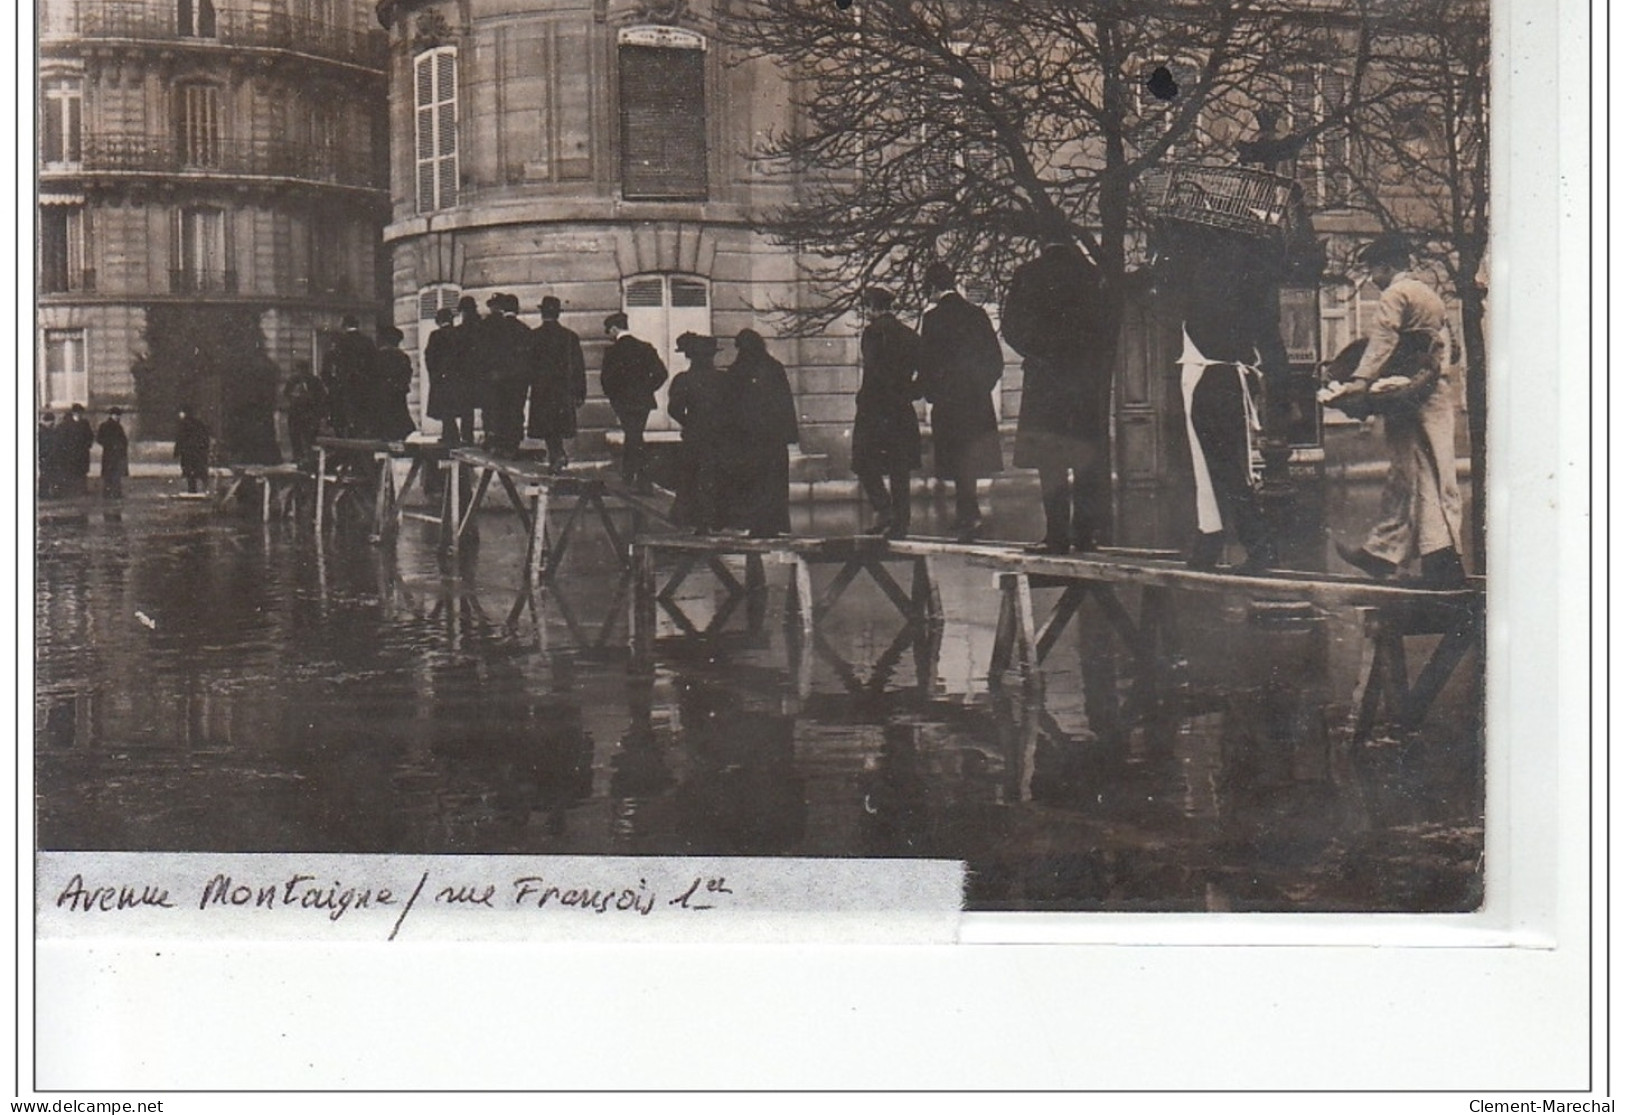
(210, 683)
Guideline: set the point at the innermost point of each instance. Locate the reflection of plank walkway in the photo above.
(532, 488)
(1392, 611)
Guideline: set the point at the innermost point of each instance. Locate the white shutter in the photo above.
(659, 309)
(434, 82)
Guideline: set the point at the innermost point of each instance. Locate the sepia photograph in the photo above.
(952, 455)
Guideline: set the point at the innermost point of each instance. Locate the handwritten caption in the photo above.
(334, 900)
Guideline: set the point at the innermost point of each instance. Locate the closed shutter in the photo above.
(663, 128)
(659, 309)
(435, 96)
(199, 125)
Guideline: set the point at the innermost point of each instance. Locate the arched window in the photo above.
(659, 309)
(663, 124)
(435, 84)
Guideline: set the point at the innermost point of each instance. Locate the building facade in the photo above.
(212, 186)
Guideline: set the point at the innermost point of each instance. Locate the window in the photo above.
(197, 125)
(195, 18)
(1322, 167)
(1159, 104)
(435, 76)
(956, 145)
(62, 249)
(65, 380)
(327, 255)
(659, 309)
(663, 125)
(200, 265)
(61, 126)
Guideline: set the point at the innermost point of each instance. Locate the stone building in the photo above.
(212, 183)
(596, 150)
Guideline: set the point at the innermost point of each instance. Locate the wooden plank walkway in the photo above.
(279, 487)
(1391, 611)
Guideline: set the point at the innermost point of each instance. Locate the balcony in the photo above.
(149, 21)
(197, 281)
(305, 162)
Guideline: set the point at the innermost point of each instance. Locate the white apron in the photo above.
(1192, 365)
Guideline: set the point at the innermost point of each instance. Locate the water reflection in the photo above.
(212, 683)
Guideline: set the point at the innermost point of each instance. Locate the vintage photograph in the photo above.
(1044, 436)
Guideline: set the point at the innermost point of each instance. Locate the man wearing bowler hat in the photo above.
(1421, 505)
(632, 373)
(558, 384)
(508, 353)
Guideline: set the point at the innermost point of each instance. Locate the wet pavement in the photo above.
(210, 683)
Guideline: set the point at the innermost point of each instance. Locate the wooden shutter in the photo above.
(663, 128)
(435, 97)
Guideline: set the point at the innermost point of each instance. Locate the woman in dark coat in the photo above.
(886, 431)
(192, 448)
(48, 470)
(698, 402)
(391, 381)
(115, 445)
(769, 428)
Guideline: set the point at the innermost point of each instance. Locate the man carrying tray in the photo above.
(1421, 505)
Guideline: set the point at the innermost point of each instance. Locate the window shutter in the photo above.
(644, 293)
(688, 293)
(435, 97)
(663, 126)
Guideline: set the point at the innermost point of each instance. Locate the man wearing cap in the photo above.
(632, 373)
(885, 430)
(1054, 317)
(960, 364)
(508, 356)
(558, 384)
(115, 445)
(345, 372)
(1421, 505)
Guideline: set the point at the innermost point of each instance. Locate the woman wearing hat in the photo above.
(699, 402)
(886, 431)
(115, 445)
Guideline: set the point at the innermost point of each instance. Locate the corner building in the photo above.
(212, 188)
(596, 150)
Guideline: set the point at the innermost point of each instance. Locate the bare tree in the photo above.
(971, 130)
(1420, 163)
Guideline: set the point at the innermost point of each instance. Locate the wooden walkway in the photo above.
(348, 467)
(1390, 612)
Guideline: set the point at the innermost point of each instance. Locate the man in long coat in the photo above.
(49, 472)
(558, 383)
(632, 373)
(1054, 317)
(508, 353)
(960, 364)
(885, 430)
(440, 361)
(74, 439)
(1421, 504)
(307, 408)
(115, 443)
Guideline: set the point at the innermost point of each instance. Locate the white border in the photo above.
(1072, 1016)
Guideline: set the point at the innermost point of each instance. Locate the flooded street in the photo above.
(207, 682)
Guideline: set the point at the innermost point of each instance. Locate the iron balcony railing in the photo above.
(147, 20)
(193, 280)
(58, 280)
(306, 162)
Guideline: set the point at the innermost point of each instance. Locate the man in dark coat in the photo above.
(192, 449)
(347, 366)
(388, 415)
(115, 445)
(761, 493)
(440, 360)
(960, 364)
(558, 383)
(1054, 317)
(49, 484)
(307, 408)
(507, 349)
(886, 431)
(632, 373)
(73, 441)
